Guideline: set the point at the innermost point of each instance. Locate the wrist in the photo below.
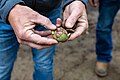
(85, 3)
(13, 12)
(14, 9)
(70, 1)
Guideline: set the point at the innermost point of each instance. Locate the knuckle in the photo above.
(38, 48)
(34, 15)
(20, 41)
(87, 25)
(38, 42)
(47, 21)
(21, 35)
(49, 42)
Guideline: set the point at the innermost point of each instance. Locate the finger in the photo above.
(30, 36)
(65, 15)
(37, 46)
(95, 3)
(50, 36)
(73, 18)
(81, 27)
(58, 22)
(42, 33)
(35, 38)
(77, 33)
(91, 2)
(44, 21)
(31, 44)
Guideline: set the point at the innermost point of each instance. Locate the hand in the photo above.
(23, 20)
(94, 3)
(75, 12)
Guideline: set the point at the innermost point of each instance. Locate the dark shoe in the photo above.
(101, 69)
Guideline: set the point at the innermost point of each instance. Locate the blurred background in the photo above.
(74, 60)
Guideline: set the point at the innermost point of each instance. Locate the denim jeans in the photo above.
(43, 59)
(104, 45)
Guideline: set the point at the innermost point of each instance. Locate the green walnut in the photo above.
(60, 34)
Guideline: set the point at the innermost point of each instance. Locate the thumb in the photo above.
(70, 22)
(95, 3)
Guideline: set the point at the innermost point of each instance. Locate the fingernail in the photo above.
(58, 25)
(53, 27)
(68, 25)
(95, 4)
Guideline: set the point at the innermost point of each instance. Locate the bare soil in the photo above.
(74, 60)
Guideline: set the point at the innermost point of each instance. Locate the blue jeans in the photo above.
(104, 45)
(43, 59)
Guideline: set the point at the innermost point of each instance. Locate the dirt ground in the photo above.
(74, 60)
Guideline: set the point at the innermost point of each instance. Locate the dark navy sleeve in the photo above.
(85, 2)
(6, 6)
(66, 2)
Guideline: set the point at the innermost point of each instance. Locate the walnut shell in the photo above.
(60, 34)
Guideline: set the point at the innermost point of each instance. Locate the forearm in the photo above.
(6, 6)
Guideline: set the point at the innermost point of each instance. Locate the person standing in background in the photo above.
(107, 12)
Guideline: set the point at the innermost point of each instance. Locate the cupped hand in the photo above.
(75, 14)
